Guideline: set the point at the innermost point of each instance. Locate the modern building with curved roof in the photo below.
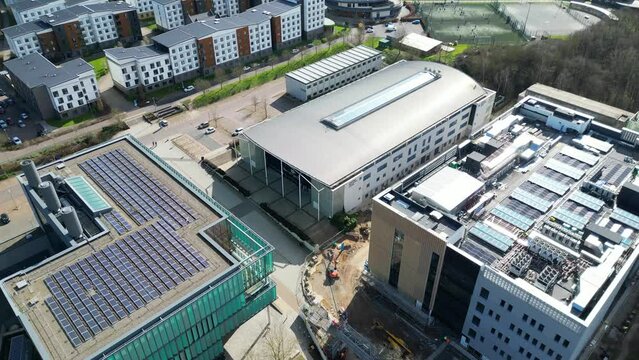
(337, 151)
(365, 9)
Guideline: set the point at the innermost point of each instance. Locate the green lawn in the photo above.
(266, 76)
(339, 28)
(72, 121)
(152, 27)
(448, 57)
(372, 41)
(99, 66)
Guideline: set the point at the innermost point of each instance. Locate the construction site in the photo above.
(354, 319)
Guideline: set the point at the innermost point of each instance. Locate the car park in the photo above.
(16, 140)
(189, 88)
(163, 123)
(203, 125)
(210, 130)
(237, 131)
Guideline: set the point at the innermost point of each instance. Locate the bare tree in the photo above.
(214, 116)
(255, 101)
(265, 102)
(361, 33)
(279, 344)
(202, 84)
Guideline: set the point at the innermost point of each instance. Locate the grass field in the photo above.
(99, 66)
(69, 122)
(468, 23)
(448, 57)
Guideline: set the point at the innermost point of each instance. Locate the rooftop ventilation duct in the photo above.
(71, 221)
(47, 190)
(31, 173)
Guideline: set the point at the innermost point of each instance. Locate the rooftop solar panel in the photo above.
(570, 218)
(583, 156)
(531, 200)
(625, 217)
(564, 169)
(586, 200)
(97, 291)
(549, 184)
(510, 216)
(492, 237)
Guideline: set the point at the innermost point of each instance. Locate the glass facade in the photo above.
(396, 258)
(430, 281)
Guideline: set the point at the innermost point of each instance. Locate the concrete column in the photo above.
(282, 176)
(299, 189)
(265, 169)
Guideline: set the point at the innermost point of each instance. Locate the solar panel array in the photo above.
(512, 217)
(614, 174)
(531, 200)
(570, 218)
(562, 168)
(478, 252)
(625, 218)
(109, 285)
(549, 184)
(16, 348)
(136, 190)
(583, 156)
(586, 200)
(118, 222)
(492, 237)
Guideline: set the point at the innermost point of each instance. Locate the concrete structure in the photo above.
(313, 14)
(344, 152)
(371, 11)
(526, 267)
(144, 8)
(30, 10)
(609, 115)
(62, 91)
(177, 282)
(201, 47)
(334, 72)
(76, 31)
(168, 14)
(421, 45)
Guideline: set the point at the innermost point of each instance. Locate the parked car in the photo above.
(163, 123)
(16, 140)
(42, 130)
(4, 219)
(210, 130)
(9, 120)
(21, 124)
(416, 22)
(24, 116)
(370, 31)
(237, 131)
(309, 45)
(295, 51)
(3, 124)
(203, 125)
(189, 88)
(247, 68)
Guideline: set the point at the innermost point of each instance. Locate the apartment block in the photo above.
(201, 47)
(144, 7)
(499, 239)
(168, 13)
(31, 10)
(313, 12)
(75, 31)
(329, 74)
(62, 91)
(353, 120)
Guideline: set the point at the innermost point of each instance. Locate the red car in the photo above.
(9, 120)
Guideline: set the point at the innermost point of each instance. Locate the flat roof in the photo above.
(35, 70)
(580, 102)
(137, 52)
(333, 64)
(89, 195)
(447, 188)
(23, 5)
(106, 277)
(299, 137)
(26, 28)
(73, 12)
(420, 42)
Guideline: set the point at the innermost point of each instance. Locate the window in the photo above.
(534, 341)
(550, 352)
(497, 317)
(502, 303)
(557, 337)
(542, 346)
(475, 321)
(527, 336)
(540, 327)
(480, 307)
(490, 313)
(510, 307)
(430, 281)
(507, 340)
(512, 326)
(492, 331)
(483, 293)
(396, 258)
(500, 335)
(519, 332)
(472, 333)
(565, 343)
(525, 317)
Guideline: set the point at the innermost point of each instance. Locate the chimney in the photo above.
(31, 173)
(71, 221)
(47, 190)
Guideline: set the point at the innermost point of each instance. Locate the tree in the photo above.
(202, 84)
(265, 103)
(279, 344)
(360, 33)
(255, 101)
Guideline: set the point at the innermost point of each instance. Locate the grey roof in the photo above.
(210, 25)
(28, 4)
(35, 70)
(165, 2)
(138, 52)
(300, 138)
(72, 13)
(333, 64)
(26, 28)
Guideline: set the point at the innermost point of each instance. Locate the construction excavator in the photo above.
(331, 268)
(394, 341)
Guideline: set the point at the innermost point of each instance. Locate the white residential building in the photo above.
(138, 66)
(98, 27)
(313, 16)
(225, 45)
(55, 91)
(260, 35)
(331, 73)
(226, 8)
(23, 39)
(31, 10)
(168, 13)
(184, 57)
(291, 25)
(145, 7)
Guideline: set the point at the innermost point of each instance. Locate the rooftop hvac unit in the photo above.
(71, 222)
(31, 173)
(547, 278)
